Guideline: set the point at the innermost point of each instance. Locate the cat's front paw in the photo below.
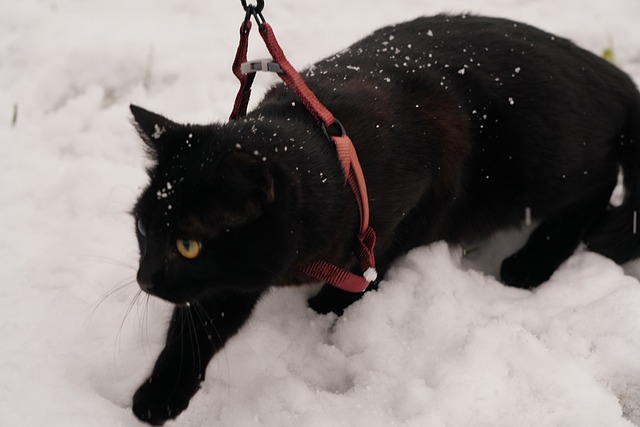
(523, 271)
(155, 402)
(332, 300)
(323, 306)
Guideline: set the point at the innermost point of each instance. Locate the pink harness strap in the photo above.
(322, 270)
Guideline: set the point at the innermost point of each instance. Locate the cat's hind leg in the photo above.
(616, 234)
(554, 240)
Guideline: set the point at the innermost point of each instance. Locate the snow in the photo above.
(442, 343)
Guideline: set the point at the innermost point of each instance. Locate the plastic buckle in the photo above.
(260, 65)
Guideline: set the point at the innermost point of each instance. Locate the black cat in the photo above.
(463, 125)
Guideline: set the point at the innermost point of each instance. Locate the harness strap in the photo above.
(347, 156)
(246, 80)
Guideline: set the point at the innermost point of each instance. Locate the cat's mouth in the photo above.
(167, 293)
(167, 296)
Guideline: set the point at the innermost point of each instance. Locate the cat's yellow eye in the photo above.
(188, 248)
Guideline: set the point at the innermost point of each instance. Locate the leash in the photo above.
(245, 71)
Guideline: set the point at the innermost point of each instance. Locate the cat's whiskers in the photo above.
(118, 286)
(144, 325)
(180, 319)
(107, 260)
(207, 322)
(121, 285)
(185, 323)
(133, 302)
(195, 344)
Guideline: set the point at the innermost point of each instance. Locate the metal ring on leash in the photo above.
(257, 8)
(255, 11)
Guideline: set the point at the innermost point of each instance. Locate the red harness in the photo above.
(245, 72)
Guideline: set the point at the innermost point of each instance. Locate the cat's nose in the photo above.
(145, 281)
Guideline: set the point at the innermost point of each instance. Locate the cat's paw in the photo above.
(525, 272)
(155, 403)
(322, 305)
(333, 300)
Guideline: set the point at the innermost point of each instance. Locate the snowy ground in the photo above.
(440, 344)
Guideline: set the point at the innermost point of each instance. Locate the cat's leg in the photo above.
(553, 241)
(196, 332)
(410, 233)
(333, 300)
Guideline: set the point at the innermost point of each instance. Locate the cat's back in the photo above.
(523, 100)
(494, 50)
(474, 60)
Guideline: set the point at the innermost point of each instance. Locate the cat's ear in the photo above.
(247, 175)
(152, 127)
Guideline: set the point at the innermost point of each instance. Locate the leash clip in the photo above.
(257, 8)
(254, 10)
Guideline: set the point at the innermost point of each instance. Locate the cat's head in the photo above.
(213, 217)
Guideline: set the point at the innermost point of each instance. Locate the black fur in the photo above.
(461, 124)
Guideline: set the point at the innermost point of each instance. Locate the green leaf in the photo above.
(609, 54)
